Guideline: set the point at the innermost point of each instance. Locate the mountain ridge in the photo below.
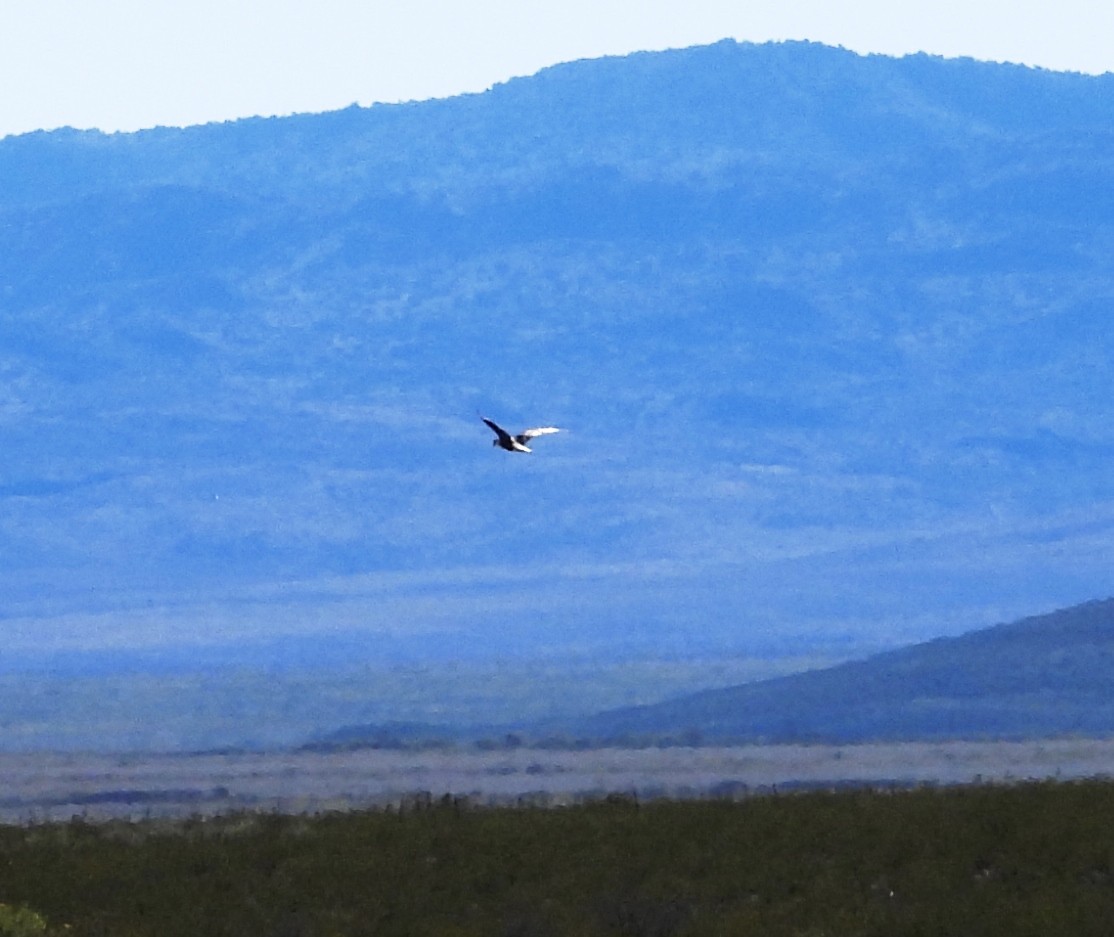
(828, 334)
(829, 85)
(1043, 675)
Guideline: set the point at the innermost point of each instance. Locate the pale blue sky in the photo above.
(129, 64)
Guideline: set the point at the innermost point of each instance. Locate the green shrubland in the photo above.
(20, 921)
(1029, 859)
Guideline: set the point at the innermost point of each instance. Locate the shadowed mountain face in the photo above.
(828, 337)
(1040, 677)
(1049, 675)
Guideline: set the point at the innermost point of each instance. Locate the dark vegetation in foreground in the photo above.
(1035, 858)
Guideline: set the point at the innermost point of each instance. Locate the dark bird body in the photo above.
(505, 440)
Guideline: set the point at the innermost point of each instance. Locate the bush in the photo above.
(19, 921)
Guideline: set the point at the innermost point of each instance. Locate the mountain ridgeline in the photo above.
(1046, 676)
(827, 336)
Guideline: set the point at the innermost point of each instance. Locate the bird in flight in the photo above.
(505, 440)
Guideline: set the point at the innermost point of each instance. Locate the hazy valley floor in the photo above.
(48, 786)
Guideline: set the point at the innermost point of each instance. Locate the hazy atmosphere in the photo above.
(825, 334)
(528, 468)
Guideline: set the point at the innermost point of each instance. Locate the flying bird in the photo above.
(505, 440)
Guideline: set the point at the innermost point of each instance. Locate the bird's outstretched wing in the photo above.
(538, 431)
(497, 429)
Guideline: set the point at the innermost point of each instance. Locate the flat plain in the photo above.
(53, 786)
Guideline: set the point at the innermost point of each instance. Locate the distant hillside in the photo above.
(828, 336)
(1043, 676)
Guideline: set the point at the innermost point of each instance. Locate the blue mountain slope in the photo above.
(1047, 675)
(827, 335)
